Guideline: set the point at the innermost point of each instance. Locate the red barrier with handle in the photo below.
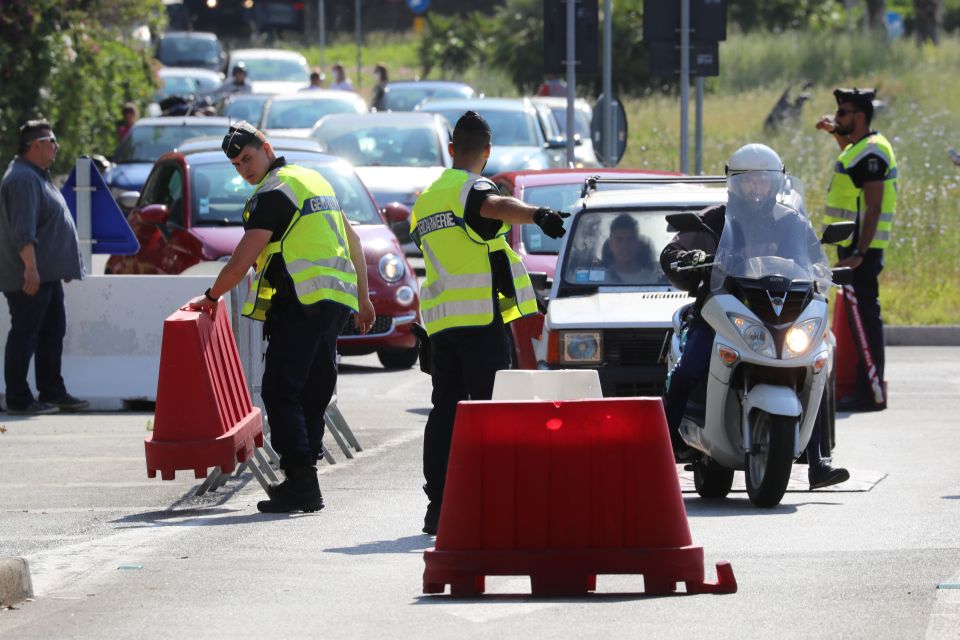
(853, 348)
(204, 417)
(562, 492)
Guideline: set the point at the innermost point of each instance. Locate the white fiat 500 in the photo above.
(611, 306)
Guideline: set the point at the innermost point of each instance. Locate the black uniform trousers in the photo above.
(866, 286)
(300, 376)
(464, 365)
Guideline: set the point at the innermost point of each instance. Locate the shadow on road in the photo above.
(420, 411)
(697, 507)
(406, 544)
(526, 598)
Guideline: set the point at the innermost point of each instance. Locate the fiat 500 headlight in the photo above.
(582, 347)
(754, 334)
(799, 338)
(391, 268)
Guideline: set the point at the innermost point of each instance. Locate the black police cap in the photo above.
(239, 135)
(472, 121)
(863, 98)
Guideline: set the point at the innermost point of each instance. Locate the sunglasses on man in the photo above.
(842, 112)
(52, 138)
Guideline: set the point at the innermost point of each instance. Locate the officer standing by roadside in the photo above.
(864, 190)
(310, 274)
(475, 283)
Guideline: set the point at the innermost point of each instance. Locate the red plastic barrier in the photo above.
(204, 417)
(562, 492)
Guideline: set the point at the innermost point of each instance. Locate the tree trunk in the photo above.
(929, 14)
(876, 10)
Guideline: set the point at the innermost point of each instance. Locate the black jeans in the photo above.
(300, 377)
(465, 363)
(866, 286)
(38, 324)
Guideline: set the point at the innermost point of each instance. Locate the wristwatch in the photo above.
(208, 296)
(856, 253)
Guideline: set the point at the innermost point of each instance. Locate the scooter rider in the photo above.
(755, 175)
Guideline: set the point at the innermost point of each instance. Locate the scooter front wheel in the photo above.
(770, 460)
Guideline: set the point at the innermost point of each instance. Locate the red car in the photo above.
(190, 213)
(558, 189)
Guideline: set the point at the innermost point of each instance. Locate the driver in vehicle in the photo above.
(755, 175)
(627, 256)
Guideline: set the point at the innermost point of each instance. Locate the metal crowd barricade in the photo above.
(252, 347)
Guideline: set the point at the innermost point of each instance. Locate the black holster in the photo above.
(423, 346)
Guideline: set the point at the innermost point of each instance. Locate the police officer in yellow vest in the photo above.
(864, 190)
(475, 284)
(310, 275)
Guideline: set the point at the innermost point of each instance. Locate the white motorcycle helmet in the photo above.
(755, 174)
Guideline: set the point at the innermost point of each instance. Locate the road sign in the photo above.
(619, 131)
(665, 59)
(418, 6)
(108, 229)
(586, 23)
(708, 20)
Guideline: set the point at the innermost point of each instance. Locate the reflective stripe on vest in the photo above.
(845, 201)
(313, 246)
(458, 290)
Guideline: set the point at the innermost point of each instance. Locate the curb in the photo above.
(15, 583)
(922, 336)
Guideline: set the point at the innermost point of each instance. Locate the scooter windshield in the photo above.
(764, 238)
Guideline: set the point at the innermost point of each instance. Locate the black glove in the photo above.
(550, 221)
(694, 258)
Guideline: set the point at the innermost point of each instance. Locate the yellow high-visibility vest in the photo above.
(314, 245)
(458, 290)
(845, 200)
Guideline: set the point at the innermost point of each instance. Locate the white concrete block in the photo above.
(111, 352)
(564, 384)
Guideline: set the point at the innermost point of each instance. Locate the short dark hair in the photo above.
(624, 221)
(471, 134)
(30, 131)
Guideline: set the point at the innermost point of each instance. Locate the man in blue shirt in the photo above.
(39, 250)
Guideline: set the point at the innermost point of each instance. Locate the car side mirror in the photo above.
(398, 219)
(838, 232)
(155, 214)
(577, 140)
(128, 200)
(842, 276)
(539, 280)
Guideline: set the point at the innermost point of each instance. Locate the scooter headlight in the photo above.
(754, 334)
(799, 338)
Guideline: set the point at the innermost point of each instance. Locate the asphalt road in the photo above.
(116, 555)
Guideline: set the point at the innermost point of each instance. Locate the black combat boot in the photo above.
(299, 492)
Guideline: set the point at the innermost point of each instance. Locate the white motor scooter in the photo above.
(772, 354)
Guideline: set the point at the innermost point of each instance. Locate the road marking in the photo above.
(945, 615)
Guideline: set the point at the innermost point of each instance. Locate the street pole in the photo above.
(322, 27)
(84, 195)
(698, 134)
(608, 149)
(684, 84)
(359, 36)
(571, 75)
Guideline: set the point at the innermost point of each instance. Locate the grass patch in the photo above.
(918, 283)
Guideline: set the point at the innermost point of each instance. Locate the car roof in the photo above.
(179, 121)
(276, 54)
(316, 94)
(487, 104)
(436, 84)
(188, 72)
(206, 156)
(196, 35)
(667, 195)
(555, 102)
(548, 177)
(202, 144)
(400, 117)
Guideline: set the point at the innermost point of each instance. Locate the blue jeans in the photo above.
(38, 324)
(691, 369)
